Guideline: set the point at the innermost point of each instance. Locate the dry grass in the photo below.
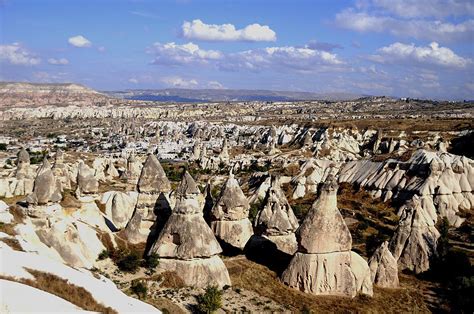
(123, 246)
(100, 206)
(377, 220)
(7, 228)
(17, 212)
(169, 279)
(255, 277)
(62, 288)
(13, 200)
(165, 305)
(13, 243)
(69, 201)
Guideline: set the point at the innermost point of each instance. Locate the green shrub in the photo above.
(210, 301)
(3, 146)
(129, 263)
(139, 288)
(151, 261)
(253, 211)
(103, 255)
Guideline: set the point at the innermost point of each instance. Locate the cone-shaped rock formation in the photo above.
(46, 189)
(23, 170)
(187, 245)
(86, 181)
(383, 267)
(229, 216)
(415, 240)
(153, 205)
(276, 220)
(324, 263)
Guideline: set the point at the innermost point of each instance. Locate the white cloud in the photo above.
(176, 81)
(426, 8)
(79, 41)
(101, 48)
(226, 32)
(16, 54)
(429, 55)
(214, 85)
(179, 82)
(61, 61)
(415, 28)
(302, 59)
(174, 54)
(133, 80)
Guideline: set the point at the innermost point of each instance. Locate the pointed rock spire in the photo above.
(324, 264)
(45, 188)
(23, 156)
(230, 215)
(153, 177)
(86, 181)
(383, 267)
(276, 217)
(276, 220)
(187, 245)
(324, 229)
(23, 170)
(414, 242)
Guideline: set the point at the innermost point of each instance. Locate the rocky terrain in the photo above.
(114, 205)
(34, 95)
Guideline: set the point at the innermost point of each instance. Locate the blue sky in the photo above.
(415, 48)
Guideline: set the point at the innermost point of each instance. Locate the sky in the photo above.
(403, 48)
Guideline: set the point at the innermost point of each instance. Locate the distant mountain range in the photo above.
(23, 94)
(219, 95)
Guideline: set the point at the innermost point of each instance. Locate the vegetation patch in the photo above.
(210, 301)
(252, 276)
(170, 279)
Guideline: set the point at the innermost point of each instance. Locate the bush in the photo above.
(3, 146)
(103, 255)
(129, 263)
(254, 208)
(151, 261)
(210, 301)
(139, 288)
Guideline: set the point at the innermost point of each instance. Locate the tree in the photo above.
(139, 288)
(210, 301)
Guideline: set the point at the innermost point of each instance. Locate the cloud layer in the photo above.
(17, 55)
(414, 28)
(179, 82)
(299, 58)
(430, 55)
(199, 30)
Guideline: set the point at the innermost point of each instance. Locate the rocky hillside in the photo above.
(16, 94)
